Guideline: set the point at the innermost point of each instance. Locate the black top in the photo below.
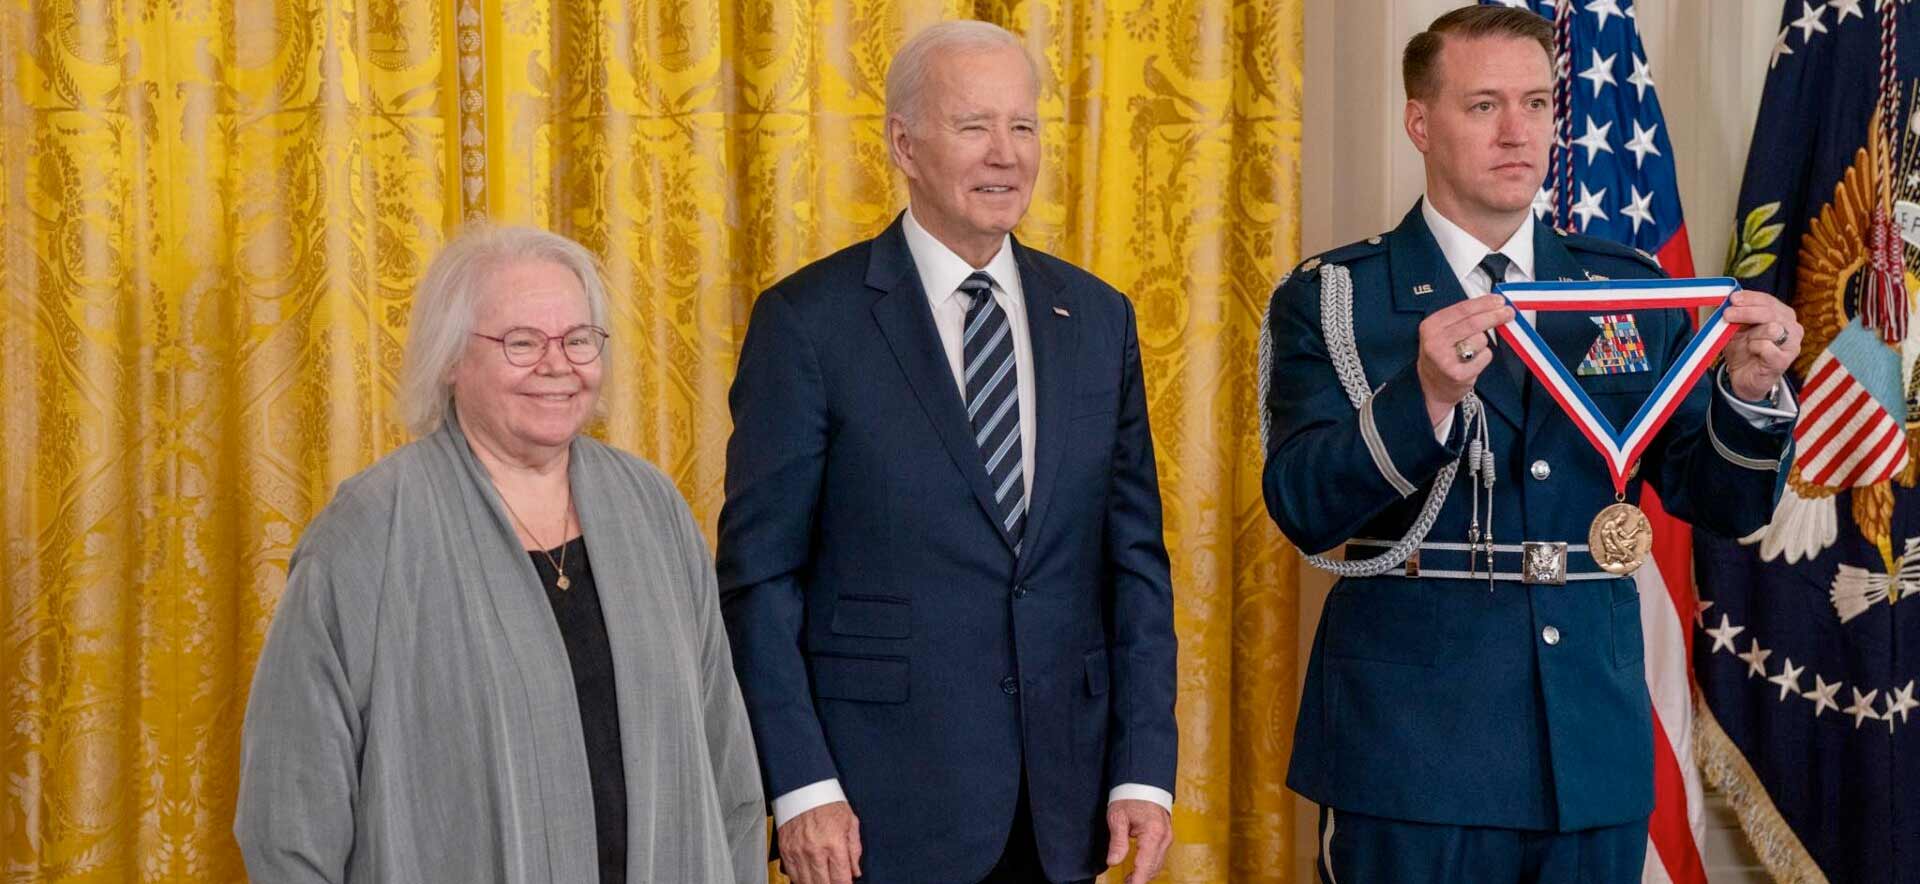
(577, 611)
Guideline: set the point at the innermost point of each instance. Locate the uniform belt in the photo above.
(1538, 563)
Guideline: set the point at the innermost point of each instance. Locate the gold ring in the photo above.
(1465, 351)
(1781, 339)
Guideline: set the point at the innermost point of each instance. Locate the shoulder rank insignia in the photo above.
(1618, 349)
(1311, 265)
(1373, 240)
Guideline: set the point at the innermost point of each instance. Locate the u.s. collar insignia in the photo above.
(1618, 349)
(1423, 289)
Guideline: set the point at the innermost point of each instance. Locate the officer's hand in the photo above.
(1761, 352)
(822, 846)
(1466, 327)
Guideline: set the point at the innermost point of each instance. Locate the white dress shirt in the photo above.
(941, 272)
(1463, 254)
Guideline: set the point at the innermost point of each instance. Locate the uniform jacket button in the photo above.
(1550, 635)
(1540, 470)
(1009, 685)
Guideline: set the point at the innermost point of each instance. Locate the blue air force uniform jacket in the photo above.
(1436, 699)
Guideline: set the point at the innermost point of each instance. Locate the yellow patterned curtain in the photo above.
(211, 215)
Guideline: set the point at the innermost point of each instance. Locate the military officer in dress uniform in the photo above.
(1482, 715)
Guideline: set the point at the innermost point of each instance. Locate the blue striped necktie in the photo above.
(993, 400)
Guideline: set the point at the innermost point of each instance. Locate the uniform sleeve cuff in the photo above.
(1742, 441)
(1399, 435)
(1142, 792)
(805, 798)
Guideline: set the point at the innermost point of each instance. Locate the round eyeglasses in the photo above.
(525, 347)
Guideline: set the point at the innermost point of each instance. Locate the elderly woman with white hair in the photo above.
(500, 655)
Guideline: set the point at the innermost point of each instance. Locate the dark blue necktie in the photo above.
(993, 400)
(1495, 266)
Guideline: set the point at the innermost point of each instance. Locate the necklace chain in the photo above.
(560, 566)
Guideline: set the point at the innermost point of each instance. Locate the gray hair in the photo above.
(907, 75)
(444, 306)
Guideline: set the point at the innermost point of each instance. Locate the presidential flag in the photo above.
(1612, 176)
(1807, 689)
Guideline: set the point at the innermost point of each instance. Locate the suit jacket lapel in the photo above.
(1416, 265)
(906, 320)
(1056, 346)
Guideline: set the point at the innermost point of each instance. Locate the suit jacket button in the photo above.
(1540, 470)
(1009, 685)
(1550, 635)
(1020, 591)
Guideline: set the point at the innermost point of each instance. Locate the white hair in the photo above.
(913, 64)
(445, 301)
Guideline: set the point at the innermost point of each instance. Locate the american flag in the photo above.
(1612, 176)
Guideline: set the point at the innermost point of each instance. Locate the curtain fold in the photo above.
(212, 215)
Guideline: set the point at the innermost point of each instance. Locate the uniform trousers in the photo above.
(1360, 849)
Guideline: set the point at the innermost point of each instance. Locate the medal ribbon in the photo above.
(1619, 448)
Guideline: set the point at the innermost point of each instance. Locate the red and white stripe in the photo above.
(1619, 447)
(1845, 437)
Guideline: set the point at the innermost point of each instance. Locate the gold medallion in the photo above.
(564, 583)
(1620, 538)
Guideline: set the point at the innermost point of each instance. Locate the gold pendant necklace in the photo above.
(559, 567)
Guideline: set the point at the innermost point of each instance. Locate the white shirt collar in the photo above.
(1463, 252)
(942, 271)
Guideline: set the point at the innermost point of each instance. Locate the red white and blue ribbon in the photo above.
(1619, 447)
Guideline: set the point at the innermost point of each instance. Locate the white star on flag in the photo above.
(1600, 72)
(1641, 143)
(1603, 8)
(1780, 48)
(1588, 208)
(1639, 208)
(1898, 702)
(1543, 203)
(1843, 7)
(1862, 708)
(1756, 658)
(1595, 138)
(1822, 695)
(1788, 679)
(1641, 78)
(1723, 637)
(1700, 613)
(1809, 21)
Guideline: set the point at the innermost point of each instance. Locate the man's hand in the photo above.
(1761, 352)
(1146, 823)
(1463, 328)
(822, 846)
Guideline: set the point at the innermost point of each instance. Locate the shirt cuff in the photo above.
(1781, 405)
(1444, 428)
(1142, 792)
(805, 798)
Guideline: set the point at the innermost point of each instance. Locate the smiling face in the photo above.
(1485, 131)
(972, 153)
(531, 414)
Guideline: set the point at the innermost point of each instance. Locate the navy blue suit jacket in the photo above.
(883, 629)
(1440, 700)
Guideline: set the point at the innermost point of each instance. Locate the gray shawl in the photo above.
(413, 716)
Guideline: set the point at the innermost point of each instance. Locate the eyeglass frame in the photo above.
(546, 344)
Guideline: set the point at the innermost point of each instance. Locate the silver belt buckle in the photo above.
(1543, 564)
